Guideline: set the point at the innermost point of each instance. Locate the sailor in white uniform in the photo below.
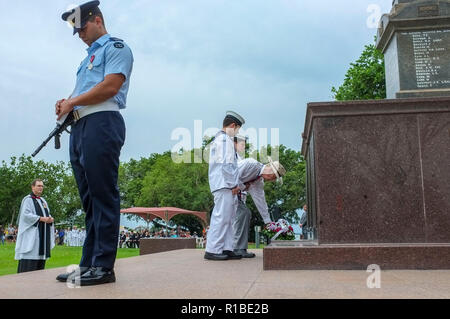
(224, 185)
(66, 237)
(76, 237)
(82, 236)
(76, 242)
(253, 174)
(70, 238)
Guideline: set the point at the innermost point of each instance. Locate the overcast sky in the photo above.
(194, 60)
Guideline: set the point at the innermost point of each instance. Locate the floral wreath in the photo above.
(280, 230)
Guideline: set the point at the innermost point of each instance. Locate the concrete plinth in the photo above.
(158, 245)
(299, 256)
(378, 181)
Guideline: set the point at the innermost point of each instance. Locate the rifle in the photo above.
(61, 126)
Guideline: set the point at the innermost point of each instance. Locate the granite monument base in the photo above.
(312, 256)
(378, 186)
(158, 245)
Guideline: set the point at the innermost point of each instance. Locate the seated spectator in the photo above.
(61, 236)
(2, 234)
(132, 240)
(126, 242)
(122, 238)
(57, 237)
(137, 240)
(146, 234)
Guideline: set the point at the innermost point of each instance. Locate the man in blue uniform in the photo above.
(96, 139)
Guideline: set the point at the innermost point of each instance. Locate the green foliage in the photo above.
(60, 188)
(156, 181)
(168, 184)
(131, 176)
(160, 182)
(365, 80)
(179, 185)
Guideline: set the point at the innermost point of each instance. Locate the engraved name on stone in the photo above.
(429, 49)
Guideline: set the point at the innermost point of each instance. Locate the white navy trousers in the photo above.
(220, 234)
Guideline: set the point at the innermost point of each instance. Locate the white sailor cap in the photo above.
(278, 170)
(240, 138)
(237, 117)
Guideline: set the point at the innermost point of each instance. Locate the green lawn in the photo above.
(253, 246)
(61, 256)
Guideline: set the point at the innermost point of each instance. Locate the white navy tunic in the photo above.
(223, 165)
(250, 170)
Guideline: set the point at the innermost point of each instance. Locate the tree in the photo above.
(131, 176)
(186, 186)
(60, 188)
(365, 80)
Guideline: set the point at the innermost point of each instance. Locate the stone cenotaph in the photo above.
(378, 171)
(415, 41)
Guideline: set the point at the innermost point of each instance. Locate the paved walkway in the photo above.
(185, 274)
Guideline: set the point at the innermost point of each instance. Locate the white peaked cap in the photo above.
(278, 170)
(236, 116)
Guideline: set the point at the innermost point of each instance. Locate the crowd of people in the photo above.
(68, 237)
(131, 238)
(8, 234)
(72, 237)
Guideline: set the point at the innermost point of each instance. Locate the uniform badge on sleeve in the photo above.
(118, 45)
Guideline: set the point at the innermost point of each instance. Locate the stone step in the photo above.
(312, 256)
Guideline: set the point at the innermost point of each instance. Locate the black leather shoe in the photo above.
(212, 256)
(244, 253)
(64, 277)
(232, 255)
(96, 276)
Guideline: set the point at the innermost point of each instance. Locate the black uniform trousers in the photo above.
(95, 144)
